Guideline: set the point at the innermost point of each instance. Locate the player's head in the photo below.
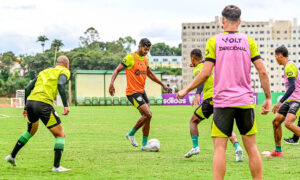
(196, 57)
(281, 54)
(63, 61)
(231, 14)
(144, 46)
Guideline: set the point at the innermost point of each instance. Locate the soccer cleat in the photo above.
(11, 160)
(132, 140)
(148, 148)
(290, 141)
(239, 154)
(275, 154)
(60, 169)
(193, 151)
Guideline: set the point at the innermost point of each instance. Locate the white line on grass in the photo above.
(3, 116)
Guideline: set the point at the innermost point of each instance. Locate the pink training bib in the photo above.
(296, 94)
(232, 71)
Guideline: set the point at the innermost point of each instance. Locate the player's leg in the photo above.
(255, 162)
(293, 140)
(237, 148)
(219, 162)
(291, 117)
(246, 123)
(32, 127)
(222, 126)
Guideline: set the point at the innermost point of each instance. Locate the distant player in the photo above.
(137, 70)
(39, 97)
(287, 108)
(205, 109)
(230, 54)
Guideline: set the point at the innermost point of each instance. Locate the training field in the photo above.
(96, 147)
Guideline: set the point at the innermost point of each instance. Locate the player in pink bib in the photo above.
(287, 108)
(231, 54)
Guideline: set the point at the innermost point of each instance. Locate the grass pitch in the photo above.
(96, 147)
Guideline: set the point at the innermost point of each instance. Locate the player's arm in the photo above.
(151, 75)
(199, 80)
(120, 68)
(62, 81)
(28, 89)
(196, 100)
(265, 83)
(290, 90)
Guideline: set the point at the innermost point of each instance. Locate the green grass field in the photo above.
(96, 147)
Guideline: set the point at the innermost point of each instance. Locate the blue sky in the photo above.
(22, 21)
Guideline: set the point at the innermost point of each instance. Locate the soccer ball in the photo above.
(154, 144)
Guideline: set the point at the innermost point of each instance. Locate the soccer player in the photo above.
(137, 70)
(287, 107)
(39, 97)
(205, 109)
(230, 55)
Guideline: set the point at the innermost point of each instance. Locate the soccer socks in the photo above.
(132, 132)
(58, 150)
(145, 140)
(21, 142)
(278, 148)
(195, 141)
(236, 145)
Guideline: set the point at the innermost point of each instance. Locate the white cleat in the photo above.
(132, 140)
(193, 151)
(239, 154)
(11, 160)
(60, 169)
(148, 148)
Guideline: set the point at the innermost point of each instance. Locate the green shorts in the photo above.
(38, 110)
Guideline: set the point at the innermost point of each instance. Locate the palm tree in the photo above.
(42, 39)
(56, 44)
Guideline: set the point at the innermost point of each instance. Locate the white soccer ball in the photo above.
(154, 144)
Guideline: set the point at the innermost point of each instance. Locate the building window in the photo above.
(165, 60)
(184, 27)
(207, 27)
(268, 32)
(261, 45)
(294, 32)
(271, 45)
(155, 60)
(213, 27)
(261, 32)
(193, 27)
(174, 60)
(285, 32)
(198, 27)
(278, 32)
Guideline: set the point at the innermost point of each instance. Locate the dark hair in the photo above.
(232, 13)
(196, 53)
(145, 42)
(282, 50)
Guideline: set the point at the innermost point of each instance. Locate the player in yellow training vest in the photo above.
(39, 97)
(205, 109)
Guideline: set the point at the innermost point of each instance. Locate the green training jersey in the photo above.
(208, 88)
(45, 89)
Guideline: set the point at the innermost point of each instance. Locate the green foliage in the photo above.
(42, 39)
(162, 49)
(169, 71)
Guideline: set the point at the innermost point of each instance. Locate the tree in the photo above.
(91, 38)
(162, 49)
(57, 44)
(42, 39)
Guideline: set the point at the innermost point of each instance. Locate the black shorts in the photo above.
(205, 109)
(138, 99)
(38, 110)
(223, 119)
(289, 107)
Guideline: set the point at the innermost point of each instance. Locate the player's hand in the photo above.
(266, 106)
(66, 111)
(196, 100)
(276, 107)
(25, 114)
(169, 90)
(181, 94)
(111, 90)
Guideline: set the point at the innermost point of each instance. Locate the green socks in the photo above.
(278, 149)
(195, 141)
(132, 132)
(145, 140)
(21, 142)
(58, 150)
(236, 145)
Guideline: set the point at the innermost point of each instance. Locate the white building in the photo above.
(165, 61)
(268, 35)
